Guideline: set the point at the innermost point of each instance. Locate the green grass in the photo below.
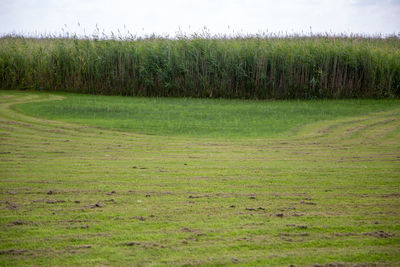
(217, 118)
(248, 67)
(194, 199)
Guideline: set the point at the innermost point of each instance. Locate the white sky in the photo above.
(219, 16)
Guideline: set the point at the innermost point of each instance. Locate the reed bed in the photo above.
(241, 67)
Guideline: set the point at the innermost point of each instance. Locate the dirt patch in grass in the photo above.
(199, 196)
(378, 234)
(294, 234)
(308, 202)
(16, 123)
(77, 249)
(255, 209)
(394, 195)
(18, 222)
(146, 245)
(12, 206)
(55, 201)
(339, 264)
(190, 230)
(96, 205)
(297, 226)
(81, 247)
(14, 252)
(140, 218)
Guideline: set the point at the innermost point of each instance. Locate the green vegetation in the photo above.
(77, 194)
(262, 68)
(201, 117)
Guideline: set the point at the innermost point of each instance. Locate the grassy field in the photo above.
(217, 118)
(275, 183)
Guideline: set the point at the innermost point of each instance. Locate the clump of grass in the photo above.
(201, 66)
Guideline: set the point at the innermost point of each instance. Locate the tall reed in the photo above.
(297, 67)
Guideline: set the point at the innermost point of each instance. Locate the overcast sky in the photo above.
(219, 16)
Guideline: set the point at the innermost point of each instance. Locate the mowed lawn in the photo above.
(121, 181)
